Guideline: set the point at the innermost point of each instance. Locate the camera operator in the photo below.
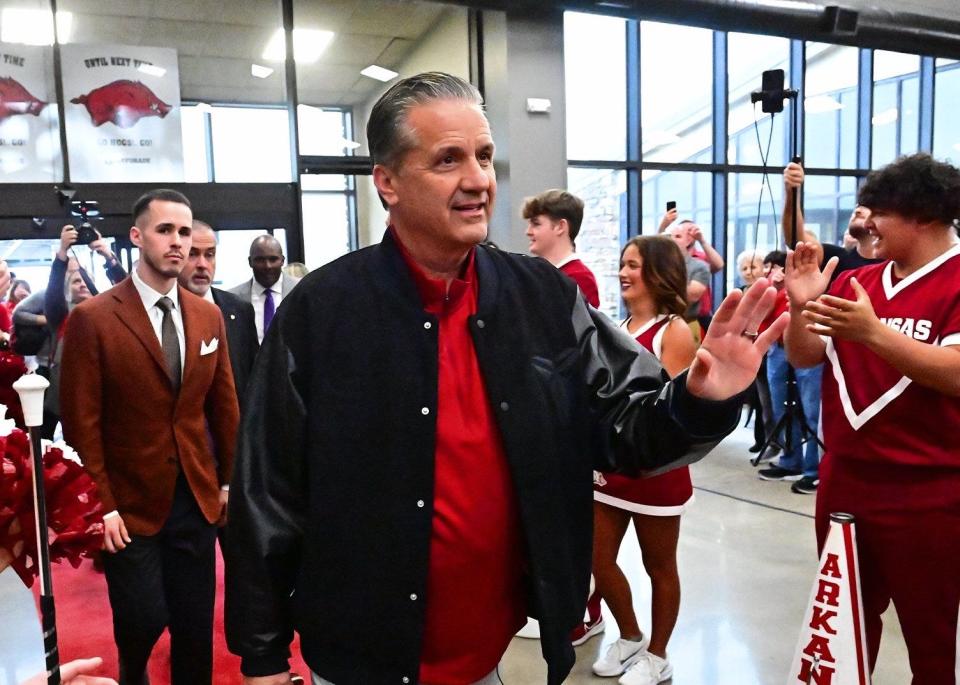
(68, 284)
(67, 288)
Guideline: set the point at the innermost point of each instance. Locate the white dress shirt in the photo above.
(257, 300)
(150, 297)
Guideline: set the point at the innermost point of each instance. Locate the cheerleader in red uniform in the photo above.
(653, 284)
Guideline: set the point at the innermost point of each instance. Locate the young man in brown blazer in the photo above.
(148, 402)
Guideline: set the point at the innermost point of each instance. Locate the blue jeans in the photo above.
(807, 457)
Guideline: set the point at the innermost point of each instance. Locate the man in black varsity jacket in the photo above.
(411, 479)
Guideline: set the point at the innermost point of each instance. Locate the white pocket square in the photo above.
(206, 348)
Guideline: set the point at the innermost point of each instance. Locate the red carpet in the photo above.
(85, 628)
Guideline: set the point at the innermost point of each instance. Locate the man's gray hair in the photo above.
(388, 135)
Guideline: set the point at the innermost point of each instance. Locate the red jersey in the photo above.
(871, 411)
(650, 334)
(584, 278)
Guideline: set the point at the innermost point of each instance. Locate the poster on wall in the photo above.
(122, 113)
(29, 133)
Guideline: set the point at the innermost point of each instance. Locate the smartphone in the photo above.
(671, 204)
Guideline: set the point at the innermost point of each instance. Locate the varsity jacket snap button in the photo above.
(413, 597)
(421, 503)
(480, 323)
(425, 411)
(427, 325)
(505, 406)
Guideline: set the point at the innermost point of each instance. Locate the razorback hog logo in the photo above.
(15, 99)
(122, 102)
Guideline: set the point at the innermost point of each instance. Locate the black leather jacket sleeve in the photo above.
(268, 498)
(646, 424)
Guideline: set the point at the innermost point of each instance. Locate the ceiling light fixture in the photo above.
(308, 45)
(260, 71)
(152, 70)
(33, 27)
(379, 73)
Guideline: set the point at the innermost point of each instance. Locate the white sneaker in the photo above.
(620, 656)
(648, 669)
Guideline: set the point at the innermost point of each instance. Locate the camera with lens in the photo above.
(86, 210)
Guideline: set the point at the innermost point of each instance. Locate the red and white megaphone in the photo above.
(832, 649)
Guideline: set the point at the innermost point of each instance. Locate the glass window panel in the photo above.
(371, 216)
(946, 123)
(604, 195)
(753, 220)
(677, 117)
(885, 129)
(595, 62)
(323, 182)
(910, 121)
(896, 104)
(748, 57)
(251, 145)
(324, 131)
(326, 227)
(829, 103)
(690, 190)
(828, 202)
(193, 122)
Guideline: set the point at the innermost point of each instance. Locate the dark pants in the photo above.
(166, 580)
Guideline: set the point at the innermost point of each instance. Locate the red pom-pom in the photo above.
(74, 512)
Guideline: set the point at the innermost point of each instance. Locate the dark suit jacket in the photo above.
(120, 412)
(242, 334)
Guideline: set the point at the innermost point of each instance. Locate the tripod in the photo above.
(771, 96)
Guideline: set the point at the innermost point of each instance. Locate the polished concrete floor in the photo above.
(747, 562)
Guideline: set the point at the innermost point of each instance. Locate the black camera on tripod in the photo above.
(86, 210)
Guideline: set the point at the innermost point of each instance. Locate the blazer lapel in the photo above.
(192, 333)
(133, 315)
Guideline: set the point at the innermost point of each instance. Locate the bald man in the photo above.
(269, 284)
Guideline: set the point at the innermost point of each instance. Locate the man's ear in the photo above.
(383, 179)
(135, 236)
(563, 227)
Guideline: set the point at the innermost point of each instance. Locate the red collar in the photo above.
(433, 291)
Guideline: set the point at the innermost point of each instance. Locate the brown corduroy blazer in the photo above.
(120, 413)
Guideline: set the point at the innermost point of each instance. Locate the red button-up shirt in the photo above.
(475, 595)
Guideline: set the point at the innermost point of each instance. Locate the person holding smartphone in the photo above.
(688, 234)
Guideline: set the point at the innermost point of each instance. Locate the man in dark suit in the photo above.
(147, 400)
(197, 277)
(269, 284)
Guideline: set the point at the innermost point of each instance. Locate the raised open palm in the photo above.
(728, 360)
(803, 279)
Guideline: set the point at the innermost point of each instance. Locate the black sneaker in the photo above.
(805, 486)
(778, 473)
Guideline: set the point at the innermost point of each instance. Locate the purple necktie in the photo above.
(268, 309)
